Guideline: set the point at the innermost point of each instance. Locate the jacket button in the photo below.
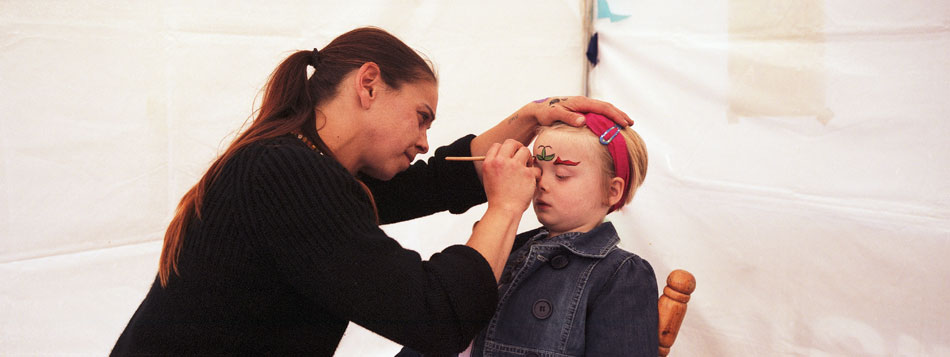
(542, 309)
(559, 262)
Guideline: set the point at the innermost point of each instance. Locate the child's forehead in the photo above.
(569, 146)
(564, 140)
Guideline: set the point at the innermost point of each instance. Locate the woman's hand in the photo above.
(509, 177)
(510, 181)
(569, 110)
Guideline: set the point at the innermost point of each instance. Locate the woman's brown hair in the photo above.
(288, 105)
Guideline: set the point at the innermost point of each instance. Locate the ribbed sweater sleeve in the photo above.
(314, 222)
(430, 186)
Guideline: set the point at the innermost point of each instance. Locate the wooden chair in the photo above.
(672, 306)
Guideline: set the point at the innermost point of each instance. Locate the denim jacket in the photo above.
(576, 294)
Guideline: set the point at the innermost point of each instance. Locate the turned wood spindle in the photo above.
(672, 306)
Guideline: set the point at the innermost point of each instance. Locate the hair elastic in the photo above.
(315, 58)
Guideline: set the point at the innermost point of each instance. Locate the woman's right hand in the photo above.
(509, 177)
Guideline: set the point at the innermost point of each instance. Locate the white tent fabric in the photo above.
(798, 167)
(798, 161)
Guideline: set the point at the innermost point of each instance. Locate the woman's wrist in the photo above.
(511, 209)
(494, 234)
(527, 114)
(523, 124)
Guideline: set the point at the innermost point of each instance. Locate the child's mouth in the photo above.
(541, 204)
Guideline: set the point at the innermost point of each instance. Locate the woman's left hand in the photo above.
(569, 110)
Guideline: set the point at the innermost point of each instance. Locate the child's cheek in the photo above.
(574, 198)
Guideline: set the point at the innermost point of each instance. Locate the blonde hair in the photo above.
(636, 153)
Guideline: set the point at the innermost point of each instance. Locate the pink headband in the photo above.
(609, 134)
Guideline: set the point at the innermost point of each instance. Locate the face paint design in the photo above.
(541, 100)
(558, 161)
(543, 156)
(557, 100)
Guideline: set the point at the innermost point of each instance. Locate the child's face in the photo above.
(571, 195)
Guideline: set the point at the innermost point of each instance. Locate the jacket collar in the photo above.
(596, 243)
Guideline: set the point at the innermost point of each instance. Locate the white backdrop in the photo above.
(799, 167)
(798, 159)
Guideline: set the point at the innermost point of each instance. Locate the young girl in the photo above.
(567, 289)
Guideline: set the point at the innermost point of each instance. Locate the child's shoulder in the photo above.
(622, 261)
(625, 273)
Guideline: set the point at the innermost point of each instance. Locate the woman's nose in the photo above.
(423, 143)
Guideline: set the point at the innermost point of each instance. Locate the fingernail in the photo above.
(580, 120)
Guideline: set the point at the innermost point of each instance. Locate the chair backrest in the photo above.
(672, 306)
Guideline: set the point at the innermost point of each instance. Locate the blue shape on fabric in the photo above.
(592, 50)
(603, 11)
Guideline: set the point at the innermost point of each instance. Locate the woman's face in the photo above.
(401, 118)
(570, 196)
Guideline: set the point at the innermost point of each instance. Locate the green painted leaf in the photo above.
(543, 156)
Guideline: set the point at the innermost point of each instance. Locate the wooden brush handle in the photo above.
(464, 158)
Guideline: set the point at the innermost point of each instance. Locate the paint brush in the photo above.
(464, 158)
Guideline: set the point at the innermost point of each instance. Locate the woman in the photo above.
(278, 246)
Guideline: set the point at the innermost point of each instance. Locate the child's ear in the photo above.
(615, 191)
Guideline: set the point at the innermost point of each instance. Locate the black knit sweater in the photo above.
(287, 251)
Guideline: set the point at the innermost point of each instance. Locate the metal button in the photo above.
(542, 309)
(559, 262)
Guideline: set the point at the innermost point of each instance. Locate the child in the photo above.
(567, 289)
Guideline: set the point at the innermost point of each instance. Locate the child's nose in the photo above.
(542, 183)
